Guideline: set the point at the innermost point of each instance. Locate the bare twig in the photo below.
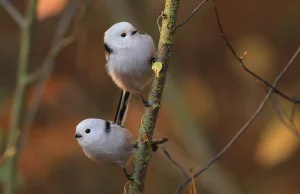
(287, 121)
(243, 129)
(13, 12)
(192, 14)
(146, 130)
(240, 59)
(18, 106)
(174, 162)
(293, 113)
(26, 80)
(46, 68)
(42, 70)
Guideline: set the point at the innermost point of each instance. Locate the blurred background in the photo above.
(207, 99)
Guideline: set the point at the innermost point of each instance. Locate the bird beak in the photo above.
(77, 135)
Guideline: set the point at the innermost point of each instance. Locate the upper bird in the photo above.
(129, 56)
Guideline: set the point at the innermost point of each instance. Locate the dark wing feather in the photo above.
(108, 51)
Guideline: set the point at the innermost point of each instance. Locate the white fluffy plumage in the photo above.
(128, 54)
(104, 141)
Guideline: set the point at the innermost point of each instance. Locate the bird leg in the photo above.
(128, 176)
(152, 60)
(145, 102)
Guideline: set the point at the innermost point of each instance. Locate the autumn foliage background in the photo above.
(208, 98)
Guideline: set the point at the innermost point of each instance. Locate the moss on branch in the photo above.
(164, 52)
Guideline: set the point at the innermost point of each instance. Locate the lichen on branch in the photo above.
(146, 130)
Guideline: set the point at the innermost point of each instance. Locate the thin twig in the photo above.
(243, 129)
(58, 43)
(192, 14)
(293, 113)
(18, 106)
(174, 162)
(13, 12)
(240, 59)
(28, 79)
(283, 117)
(42, 70)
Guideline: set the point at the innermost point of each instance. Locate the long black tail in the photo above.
(121, 113)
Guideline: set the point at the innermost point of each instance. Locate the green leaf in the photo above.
(156, 67)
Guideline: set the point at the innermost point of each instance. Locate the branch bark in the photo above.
(19, 98)
(143, 153)
(13, 12)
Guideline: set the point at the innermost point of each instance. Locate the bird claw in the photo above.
(153, 59)
(146, 103)
(128, 176)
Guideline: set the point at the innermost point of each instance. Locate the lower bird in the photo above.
(105, 141)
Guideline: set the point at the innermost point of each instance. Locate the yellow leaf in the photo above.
(156, 67)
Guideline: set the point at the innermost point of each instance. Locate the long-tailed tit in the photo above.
(104, 141)
(129, 55)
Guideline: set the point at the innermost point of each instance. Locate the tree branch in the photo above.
(42, 70)
(243, 129)
(240, 60)
(174, 162)
(29, 78)
(285, 119)
(13, 12)
(192, 14)
(18, 103)
(46, 68)
(143, 153)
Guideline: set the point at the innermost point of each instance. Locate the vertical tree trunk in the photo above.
(143, 153)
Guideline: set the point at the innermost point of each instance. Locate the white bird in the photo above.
(129, 56)
(105, 141)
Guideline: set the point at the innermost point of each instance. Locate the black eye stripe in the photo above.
(107, 127)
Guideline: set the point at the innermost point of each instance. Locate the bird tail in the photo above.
(122, 109)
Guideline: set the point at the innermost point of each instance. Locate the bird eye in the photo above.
(135, 31)
(123, 34)
(87, 130)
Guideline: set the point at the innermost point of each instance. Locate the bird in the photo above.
(106, 141)
(129, 56)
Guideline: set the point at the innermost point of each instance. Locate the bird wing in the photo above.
(107, 51)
